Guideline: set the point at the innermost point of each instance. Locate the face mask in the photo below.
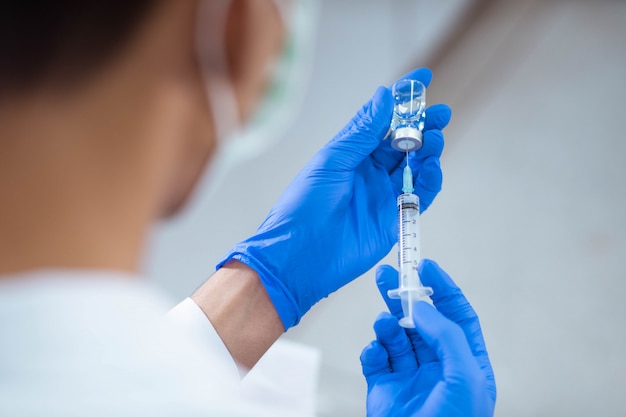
(277, 109)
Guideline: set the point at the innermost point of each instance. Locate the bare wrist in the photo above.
(237, 304)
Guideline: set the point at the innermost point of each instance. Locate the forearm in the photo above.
(236, 303)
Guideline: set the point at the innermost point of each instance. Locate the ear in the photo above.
(255, 36)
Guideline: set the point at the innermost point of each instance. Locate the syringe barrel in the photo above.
(410, 288)
(408, 240)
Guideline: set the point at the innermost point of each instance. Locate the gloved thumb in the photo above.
(362, 135)
(447, 339)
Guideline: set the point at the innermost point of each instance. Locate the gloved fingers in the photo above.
(433, 144)
(386, 156)
(427, 179)
(393, 338)
(427, 183)
(424, 75)
(450, 301)
(387, 279)
(447, 296)
(362, 135)
(374, 362)
(447, 339)
(437, 117)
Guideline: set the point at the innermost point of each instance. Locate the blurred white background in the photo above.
(530, 220)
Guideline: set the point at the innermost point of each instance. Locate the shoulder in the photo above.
(100, 345)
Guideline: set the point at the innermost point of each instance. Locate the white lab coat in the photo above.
(86, 343)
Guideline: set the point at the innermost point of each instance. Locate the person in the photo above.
(109, 113)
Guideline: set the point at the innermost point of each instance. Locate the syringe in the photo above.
(410, 287)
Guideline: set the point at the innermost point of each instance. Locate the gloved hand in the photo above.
(440, 368)
(337, 218)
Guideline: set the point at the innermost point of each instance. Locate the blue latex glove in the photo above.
(337, 218)
(440, 368)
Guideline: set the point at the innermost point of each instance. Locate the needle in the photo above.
(407, 177)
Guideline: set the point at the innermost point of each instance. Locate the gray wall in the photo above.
(530, 221)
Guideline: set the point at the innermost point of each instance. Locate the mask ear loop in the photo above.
(211, 54)
(236, 142)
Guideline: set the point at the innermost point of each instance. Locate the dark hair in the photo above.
(62, 40)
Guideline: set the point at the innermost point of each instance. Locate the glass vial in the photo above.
(409, 112)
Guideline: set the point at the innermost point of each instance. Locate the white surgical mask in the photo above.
(237, 143)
